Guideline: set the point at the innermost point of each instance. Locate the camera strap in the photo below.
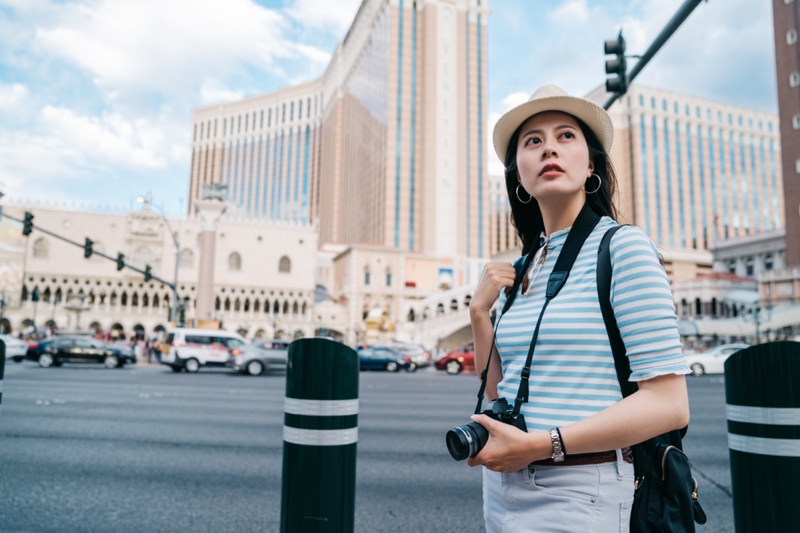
(581, 229)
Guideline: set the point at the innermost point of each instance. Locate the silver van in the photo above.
(190, 348)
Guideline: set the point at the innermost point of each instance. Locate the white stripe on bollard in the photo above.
(763, 446)
(774, 416)
(296, 406)
(320, 437)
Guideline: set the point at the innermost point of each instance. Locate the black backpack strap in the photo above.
(604, 294)
(581, 229)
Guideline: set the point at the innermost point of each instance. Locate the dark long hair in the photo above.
(527, 218)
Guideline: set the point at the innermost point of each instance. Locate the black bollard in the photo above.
(2, 367)
(762, 391)
(320, 433)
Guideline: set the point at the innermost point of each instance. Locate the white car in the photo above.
(15, 348)
(189, 349)
(712, 361)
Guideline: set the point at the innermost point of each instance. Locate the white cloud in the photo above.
(571, 11)
(514, 99)
(213, 91)
(334, 16)
(12, 95)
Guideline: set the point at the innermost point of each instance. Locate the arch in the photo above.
(24, 296)
(59, 295)
(295, 308)
(439, 309)
(411, 315)
(235, 262)
(285, 308)
(305, 308)
(227, 304)
(159, 328)
(90, 298)
(96, 327)
(246, 305)
(46, 295)
(299, 334)
(186, 259)
(467, 300)
(51, 324)
(102, 298)
(156, 301)
(123, 300)
(41, 248)
(285, 265)
(237, 305)
(426, 313)
(113, 299)
(256, 305)
(454, 305)
(5, 326)
(698, 307)
(135, 299)
(138, 329)
(260, 333)
(217, 304)
(366, 275)
(276, 307)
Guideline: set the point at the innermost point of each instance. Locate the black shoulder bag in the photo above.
(665, 498)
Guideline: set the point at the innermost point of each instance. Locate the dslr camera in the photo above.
(466, 441)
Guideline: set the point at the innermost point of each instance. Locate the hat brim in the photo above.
(591, 114)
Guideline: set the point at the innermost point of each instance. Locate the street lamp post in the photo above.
(174, 305)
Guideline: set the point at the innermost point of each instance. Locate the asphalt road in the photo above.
(143, 449)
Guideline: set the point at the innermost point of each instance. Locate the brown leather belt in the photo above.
(588, 459)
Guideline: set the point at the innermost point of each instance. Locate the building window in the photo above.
(366, 275)
(235, 262)
(749, 269)
(732, 266)
(797, 166)
(794, 79)
(41, 248)
(796, 121)
(791, 37)
(787, 2)
(186, 258)
(769, 262)
(388, 278)
(285, 265)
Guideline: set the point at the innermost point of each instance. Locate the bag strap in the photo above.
(581, 229)
(604, 294)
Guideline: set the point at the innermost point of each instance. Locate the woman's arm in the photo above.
(661, 404)
(495, 277)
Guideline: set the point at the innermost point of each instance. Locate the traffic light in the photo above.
(27, 224)
(120, 261)
(617, 67)
(148, 275)
(87, 248)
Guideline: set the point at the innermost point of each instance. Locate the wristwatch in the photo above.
(558, 447)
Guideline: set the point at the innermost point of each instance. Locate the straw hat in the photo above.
(552, 98)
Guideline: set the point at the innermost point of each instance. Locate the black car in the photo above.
(58, 350)
(384, 358)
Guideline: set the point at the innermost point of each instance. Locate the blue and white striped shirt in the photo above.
(572, 373)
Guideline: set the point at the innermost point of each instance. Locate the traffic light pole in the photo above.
(88, 252)
(674, 23)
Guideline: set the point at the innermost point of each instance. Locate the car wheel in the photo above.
(191, 365)
(412, 367)
(176, 368)
(391, 366)
(697, 369)
(254, 368)
(17, 359)
(452, 367)
(110, 361)
(45, 360)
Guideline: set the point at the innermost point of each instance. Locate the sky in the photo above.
(96, 96)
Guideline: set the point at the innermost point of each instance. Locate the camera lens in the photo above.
(466, 441)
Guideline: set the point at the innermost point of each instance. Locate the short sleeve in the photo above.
(644, 307)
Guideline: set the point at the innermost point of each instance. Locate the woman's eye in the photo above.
(568, 135)
(531, 140)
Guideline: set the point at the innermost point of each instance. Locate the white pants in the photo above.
(568, 499)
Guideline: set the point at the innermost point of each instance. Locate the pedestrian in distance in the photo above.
(571, 468)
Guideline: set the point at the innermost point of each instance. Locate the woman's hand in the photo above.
(495, 277)
(508, 449)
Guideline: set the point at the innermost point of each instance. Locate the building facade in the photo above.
(263, 274)
(786, 22)
(386, 148)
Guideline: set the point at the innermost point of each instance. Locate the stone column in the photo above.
(210, 212)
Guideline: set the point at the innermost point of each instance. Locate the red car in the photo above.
(458, 360)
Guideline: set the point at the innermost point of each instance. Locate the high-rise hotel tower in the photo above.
(387, 147)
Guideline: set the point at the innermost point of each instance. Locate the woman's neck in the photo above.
(557, 215)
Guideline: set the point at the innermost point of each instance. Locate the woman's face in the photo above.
(552, 157)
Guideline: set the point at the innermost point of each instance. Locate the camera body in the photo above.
(467, 441)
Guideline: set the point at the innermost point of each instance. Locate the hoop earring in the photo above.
(599, 184)
(520, 199)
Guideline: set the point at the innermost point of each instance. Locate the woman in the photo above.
(555, 149)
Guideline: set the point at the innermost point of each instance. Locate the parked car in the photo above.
(78, 349)
(418, 353)
(259, 356)
(15, 348)
(384, 358)
(712, 361)
(458, 360)
(190, 348)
